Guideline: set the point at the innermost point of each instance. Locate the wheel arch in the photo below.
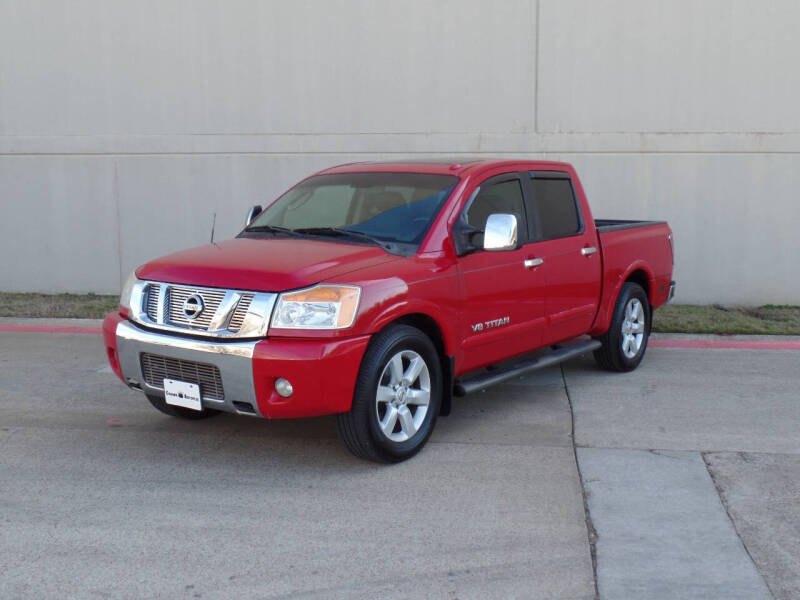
(431, 328)
(641, 277)
(637, 272)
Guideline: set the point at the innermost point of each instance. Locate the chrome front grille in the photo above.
(151, 300)
(156, 369)
(210, 312)
(241, 311)
(177, 296)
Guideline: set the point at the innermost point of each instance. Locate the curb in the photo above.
(723, 344)
(50, 329)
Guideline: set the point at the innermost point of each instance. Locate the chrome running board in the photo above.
(560, 354)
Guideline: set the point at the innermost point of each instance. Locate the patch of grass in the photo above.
(78, 306)
(769, 319)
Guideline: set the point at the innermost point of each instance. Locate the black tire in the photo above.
(360, 428)
(179, 411)
(611, 355)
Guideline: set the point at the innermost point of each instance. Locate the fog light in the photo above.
(283, 387)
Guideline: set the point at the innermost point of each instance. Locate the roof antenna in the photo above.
(213, 224)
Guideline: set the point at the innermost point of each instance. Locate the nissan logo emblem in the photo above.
(193, 306)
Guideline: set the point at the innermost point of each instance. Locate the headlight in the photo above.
(127, 290)
(319, 307)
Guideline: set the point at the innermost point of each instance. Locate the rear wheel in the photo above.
(625, 342)
(179, 411)
(397, 397)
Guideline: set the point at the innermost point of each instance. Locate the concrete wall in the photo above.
(125, 125)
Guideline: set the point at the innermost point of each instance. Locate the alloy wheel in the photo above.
(403, 396)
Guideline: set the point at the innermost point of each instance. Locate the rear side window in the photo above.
(554, 202)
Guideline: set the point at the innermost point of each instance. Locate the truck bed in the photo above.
(625, 243)
(606, 225)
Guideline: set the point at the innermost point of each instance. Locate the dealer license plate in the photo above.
(181, 393)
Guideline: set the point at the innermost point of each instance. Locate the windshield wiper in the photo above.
(339, 231)
(270, 229)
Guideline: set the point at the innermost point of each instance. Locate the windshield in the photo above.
(395, 210)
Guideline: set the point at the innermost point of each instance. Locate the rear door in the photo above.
(503, 299)
(567, 249)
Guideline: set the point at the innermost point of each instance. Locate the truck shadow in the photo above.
(530, 410)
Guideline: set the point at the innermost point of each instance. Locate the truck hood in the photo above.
(268, 265)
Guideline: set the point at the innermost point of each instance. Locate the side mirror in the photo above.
(500, 233)
(254, 212)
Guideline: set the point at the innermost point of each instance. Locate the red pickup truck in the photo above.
(378, 292)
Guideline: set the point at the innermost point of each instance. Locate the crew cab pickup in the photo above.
(378, 292)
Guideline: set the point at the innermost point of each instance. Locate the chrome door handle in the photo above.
(532, 262)
(588, 251)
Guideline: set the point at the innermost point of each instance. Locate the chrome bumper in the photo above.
(671, 291)
(233, 359)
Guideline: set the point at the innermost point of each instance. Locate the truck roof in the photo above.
(459, 165)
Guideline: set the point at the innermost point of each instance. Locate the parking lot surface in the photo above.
(103, 497)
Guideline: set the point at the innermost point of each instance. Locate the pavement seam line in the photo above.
(726, 508)
(591, 532)
(696, 450)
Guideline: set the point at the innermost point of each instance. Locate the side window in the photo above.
(555, 204)
(504, 197)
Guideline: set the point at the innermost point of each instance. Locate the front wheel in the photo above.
(397, 397)
(625, 342)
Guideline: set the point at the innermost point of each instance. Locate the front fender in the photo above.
(405, 307)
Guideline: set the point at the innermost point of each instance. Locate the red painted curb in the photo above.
(48, 329)
(725, 344)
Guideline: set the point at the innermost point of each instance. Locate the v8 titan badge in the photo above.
(490, 324)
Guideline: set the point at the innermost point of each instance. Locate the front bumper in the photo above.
(234, 361)
(322, 372)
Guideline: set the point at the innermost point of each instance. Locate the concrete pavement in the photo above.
(689, 468)
(653, 446)
(761, 493)
(682, 399)
(103, 497)
(662, 531)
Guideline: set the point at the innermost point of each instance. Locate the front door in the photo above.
(503, 312)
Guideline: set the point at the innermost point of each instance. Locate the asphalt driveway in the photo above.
(103, 497)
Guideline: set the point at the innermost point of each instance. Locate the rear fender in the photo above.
(614, 284)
